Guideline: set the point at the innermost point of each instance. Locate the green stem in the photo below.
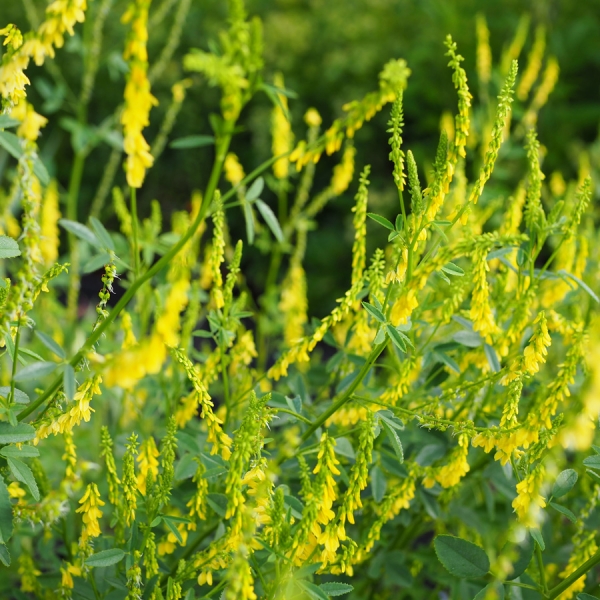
(377, 350)
(72, 200)
(11, 397)
(294, 414)
(541, 569)
(134, 234)
(135, 286)
(574, 576)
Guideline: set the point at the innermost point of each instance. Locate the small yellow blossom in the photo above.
(91, 512)
(528, 502)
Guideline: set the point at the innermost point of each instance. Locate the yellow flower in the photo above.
(281, 131)
(67, 574)
(312, 117)
(91, 512)
(138, 99)
(49, 234)
(234, 172)
(147, 463)
(342, 173)
(528, 502)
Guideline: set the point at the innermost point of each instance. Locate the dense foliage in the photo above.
(200, 435)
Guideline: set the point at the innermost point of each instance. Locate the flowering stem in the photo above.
(377, 350)
(135, 286)
(294, 414)
(574, 576)
(134, 234)
(11, 397)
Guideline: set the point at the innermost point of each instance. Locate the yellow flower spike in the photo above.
(484, 52)
(234, 172)
(49, 233)
(312, 117)
(91, 512)
(148, 463)
(534, 64)
(281, 131)
(528, 502)
(138, 99)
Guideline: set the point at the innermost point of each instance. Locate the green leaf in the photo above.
(23, 474)
(378, 484)
(16, 435)
(536, 534)
(394, 439)
(270, 219)
(581, 284)
(399, 338)
(10, 142)
(460, 557)
(50, 344)
(192, 141)
(69, 384)
(6, 516)
(96, 262)
(592, 461)
(156, 521)
(4, 555)
(564, 511)
(105, 558)
(255, 190)
(295, 506)
(19, 396)
(452, 269)
(471, 339)
(218, 502)
(335, 588)
(374, 312)
(8, 247)
(313, 590)
(35, 370)
(102, 234)
(449, 362)
(586, 597)
(382, 221)
(343, 447)
(564, 483)
(81, 231)
(6, 121)
(492, 358)
(249, 219)
(391, 419)
(399, 224)
(172, 528)
(23, 452)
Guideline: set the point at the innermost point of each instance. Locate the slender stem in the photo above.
(72, 201)
(135, 234)
(135, 286)
(294, 414)
(540, 563)
(225, 382)
(11, 397)
(574, 576)
(216, 589)
(377, 350)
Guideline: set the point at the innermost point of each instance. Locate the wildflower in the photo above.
(80, 410)
(150, 556)
(534, 64)
(404, 307)
(396, 124)
(138, 99)
(462, 121)
(484, 52)
(111, 469)
(325, 485)
(220, 440)
(360, 226)
(294, 303)
(312, 118)
(67, 573)
(70, 457)
(584, 548)
(134, 578)
(49, 216)
(234, 172)
(31, 122)
(197, 503)
(528, 502)
(167, 459)
(90, 503)
(240, 582)
(281, 131)
(147, 463)
(344, 171)
(537, 349)
(28, 573)
(549, 79)
(457, 467)
(481, 311)
(129, 480)
(217, 257)
(360, 471)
